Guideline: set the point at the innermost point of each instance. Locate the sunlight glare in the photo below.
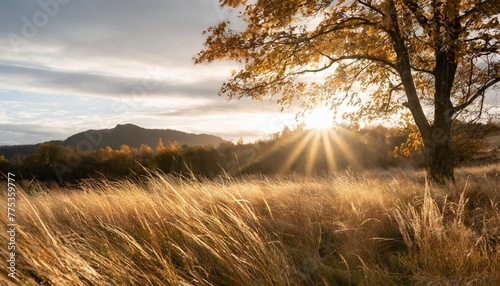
(319, 118)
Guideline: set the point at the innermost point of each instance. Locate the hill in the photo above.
(129, 134)
(134, 136)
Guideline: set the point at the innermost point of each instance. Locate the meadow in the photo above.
(372, 228)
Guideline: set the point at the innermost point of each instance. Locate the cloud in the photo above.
(113, 27)
(122, 37)
(94, 64)
(20, 134)
(153, 83)
(106, 36)
(220, 106)
(109, 48)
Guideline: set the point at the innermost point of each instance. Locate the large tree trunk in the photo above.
(441, 163)
(438, 144)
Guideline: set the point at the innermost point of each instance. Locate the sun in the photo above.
(319, 118)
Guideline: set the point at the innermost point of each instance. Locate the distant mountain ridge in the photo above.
(128, 134)
(133, 136)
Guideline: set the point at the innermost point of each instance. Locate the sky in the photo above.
(67, 66)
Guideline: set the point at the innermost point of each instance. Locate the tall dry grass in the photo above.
(347, 229)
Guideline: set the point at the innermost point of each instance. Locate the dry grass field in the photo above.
(347, 229)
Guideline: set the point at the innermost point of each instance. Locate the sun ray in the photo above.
(296, 153)
(313, 153)
(347, 151)
(274, 147)
(308, 143)
(330, 156)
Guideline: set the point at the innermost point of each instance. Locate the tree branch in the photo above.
(421, 70)
(389, 98)
(342, 25)
(350, 57)
(476, 8)
(417, 12)
(293, 39)
(314, 70)
(477, 94)
(372, 7)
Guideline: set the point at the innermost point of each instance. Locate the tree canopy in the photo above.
(431, 59)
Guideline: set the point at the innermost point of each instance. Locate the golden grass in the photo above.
(347, 229)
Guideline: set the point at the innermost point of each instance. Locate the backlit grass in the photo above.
(348, 229)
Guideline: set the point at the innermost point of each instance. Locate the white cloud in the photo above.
(95, 64)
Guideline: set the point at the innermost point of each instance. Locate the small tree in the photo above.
(5, 166)
(432, 59)
(159, 145)
(470, 139)
(145, 152)
(42, 162)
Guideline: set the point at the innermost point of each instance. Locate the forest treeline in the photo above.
(301, 151)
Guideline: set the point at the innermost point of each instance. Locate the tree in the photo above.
(430, 59)
(125, 149)
(468, 140)
(43, 162)
(5, 166)
(159, 145)
(145, 152)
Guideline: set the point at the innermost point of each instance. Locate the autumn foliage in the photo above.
(433, 61)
